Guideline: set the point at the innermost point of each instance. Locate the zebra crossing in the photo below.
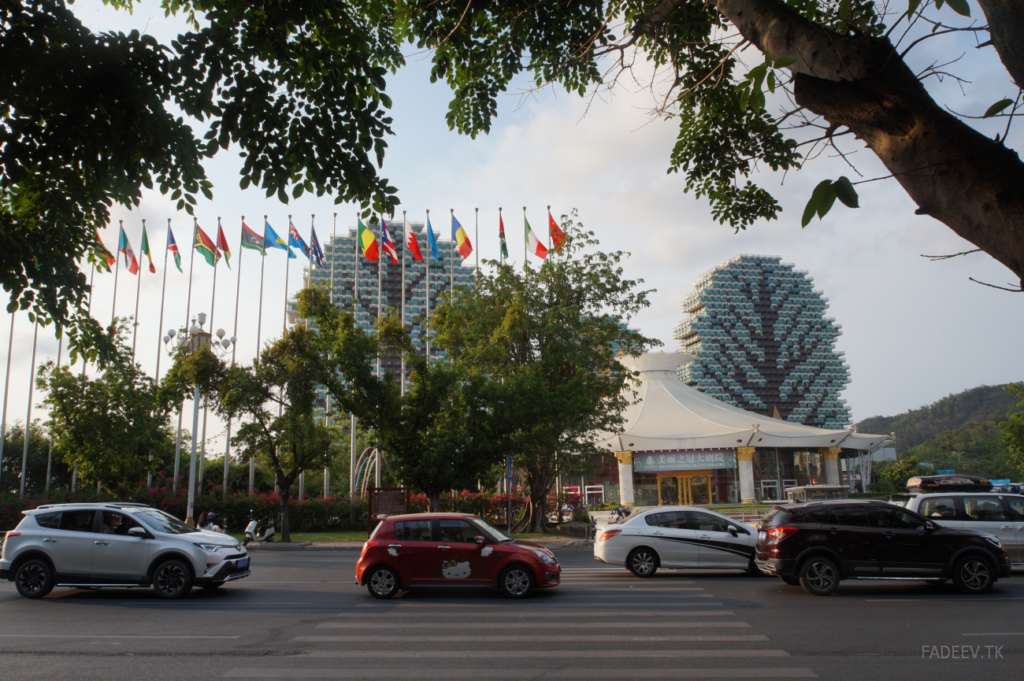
(601, 623)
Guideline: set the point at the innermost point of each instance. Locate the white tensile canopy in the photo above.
(672, 416)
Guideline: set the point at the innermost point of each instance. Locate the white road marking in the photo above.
(537, 625)
(1008, 633)
(550, 615)
(491, 673)
(181, 638)
(617, 638)
(544, 654)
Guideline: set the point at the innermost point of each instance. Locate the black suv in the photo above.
(817, 544)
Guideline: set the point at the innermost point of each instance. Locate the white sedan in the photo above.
(677, 537)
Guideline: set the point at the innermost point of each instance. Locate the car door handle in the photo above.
(889, 535)
(705, 536)
(101, 543)
(394, 546)
(833, 530)
(50, 541)
(1006, 527)
(658, 534)
(444, 548)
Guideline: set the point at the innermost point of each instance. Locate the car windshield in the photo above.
(163, 522)
(488, 530)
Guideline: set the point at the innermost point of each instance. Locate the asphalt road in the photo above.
(299, 616)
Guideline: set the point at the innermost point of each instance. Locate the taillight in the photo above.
(369, 543)
(777, 534)
(13, 533)
(608, 534)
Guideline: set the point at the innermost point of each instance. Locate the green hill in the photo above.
(985, 404)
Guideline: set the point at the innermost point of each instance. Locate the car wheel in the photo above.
(792, 581)
(516, 581)
(382, 582)
(642, 562)
(973, 575)
(172, 579)
(34, 579)
(819, 576)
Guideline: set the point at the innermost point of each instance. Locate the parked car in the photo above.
(818, 544)
(451, 549)
(116, 545)
(677, 537)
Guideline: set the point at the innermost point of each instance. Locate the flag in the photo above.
(107, 255)
(386, 242)
(295, 240)
(222, 245)
(460, 237)
(145, 250)
(129, 255)
(432, 240)
(272, 240)
(316, 253)
(557, 235)
(204, 244)
(532, 244)
(172, 246)
(368, 242)
(501, 237)
(410, 242)
(251, 239)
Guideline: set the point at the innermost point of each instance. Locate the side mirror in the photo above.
(480, 539)
(733, 531)
(929, 526)
(138, 532)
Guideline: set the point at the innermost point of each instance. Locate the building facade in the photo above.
(761, 341)
(354, 281)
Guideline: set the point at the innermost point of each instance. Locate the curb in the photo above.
(578, 543)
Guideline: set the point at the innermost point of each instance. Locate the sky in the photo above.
(913, 330)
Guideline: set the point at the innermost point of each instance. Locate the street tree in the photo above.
(551, 336)
(1013, 430)
(449, 427)
(38, 455)
(114, 427)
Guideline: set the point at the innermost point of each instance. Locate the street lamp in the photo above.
(197, 339)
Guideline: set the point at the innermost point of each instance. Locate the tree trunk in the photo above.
(434, 498)
(539, 486)
(952, 172)
(286, 535)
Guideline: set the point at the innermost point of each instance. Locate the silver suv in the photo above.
(116, 545)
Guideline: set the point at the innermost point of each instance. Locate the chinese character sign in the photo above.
(683, 461)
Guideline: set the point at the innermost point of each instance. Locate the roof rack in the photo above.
(95, 504)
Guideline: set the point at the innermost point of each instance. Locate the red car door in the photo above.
(460, 558)
(413, 551)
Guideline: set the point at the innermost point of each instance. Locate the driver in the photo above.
(111, 524)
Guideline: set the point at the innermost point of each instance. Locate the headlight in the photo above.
(994, 540)
(544, 556)
(212, 548)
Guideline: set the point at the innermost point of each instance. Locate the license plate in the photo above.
(762, 535)
(244, 563)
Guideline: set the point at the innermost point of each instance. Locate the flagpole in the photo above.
(451, 285)
(380, 278)
(7, 384)
(206, 407)
(526, 241)
(234, 349)
(259, 318)
(49, 454)
(163, 296)
(405, 236)
(138, 290)
(88, 313)
(352, 417)
(501, 252)
(550, 236)
(426, 331)
(188, 313)
(28, 414)
(117, 270)
(287, 263)
(327, 415)
(476, 241)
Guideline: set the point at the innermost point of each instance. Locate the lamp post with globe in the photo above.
(197, 339)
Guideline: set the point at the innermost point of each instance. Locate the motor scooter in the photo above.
(252, 534)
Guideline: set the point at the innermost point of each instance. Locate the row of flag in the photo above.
(213, 251)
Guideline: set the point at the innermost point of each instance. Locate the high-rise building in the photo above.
(762, 342)
(348, 261)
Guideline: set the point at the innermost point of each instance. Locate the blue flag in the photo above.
(315, 252)
(432, 239)
(295, 240)
(272, 240)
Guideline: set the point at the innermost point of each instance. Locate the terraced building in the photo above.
(762, 342)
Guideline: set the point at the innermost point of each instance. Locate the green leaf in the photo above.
(828, 197)
(812, 204)
(912, 6)
(844, 9)
(959, 6)
(846, 193)
(771, 81)
(997, 107)
(783, 62)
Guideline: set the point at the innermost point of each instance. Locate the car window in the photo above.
(776, 517)
(1016, 508)
(984, 508)
(413, 530)
(50, 521)
(653, 519)
(77, 521)
(939, 508)
(675, 520)
(852, 515)
(116, 523)
(456, 531)
(163, 522)
(896, 519)
(823, 515)
(705, 522)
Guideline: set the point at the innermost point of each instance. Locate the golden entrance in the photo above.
(687, 489)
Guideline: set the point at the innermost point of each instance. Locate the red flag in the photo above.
(412, 244)
(107, 255)
(222, 244)
(557, 235)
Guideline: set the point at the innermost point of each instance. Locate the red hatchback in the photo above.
(451, 549)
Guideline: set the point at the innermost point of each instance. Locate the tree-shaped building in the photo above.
(762, 342)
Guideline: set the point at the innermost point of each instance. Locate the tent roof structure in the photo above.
(671, 416)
